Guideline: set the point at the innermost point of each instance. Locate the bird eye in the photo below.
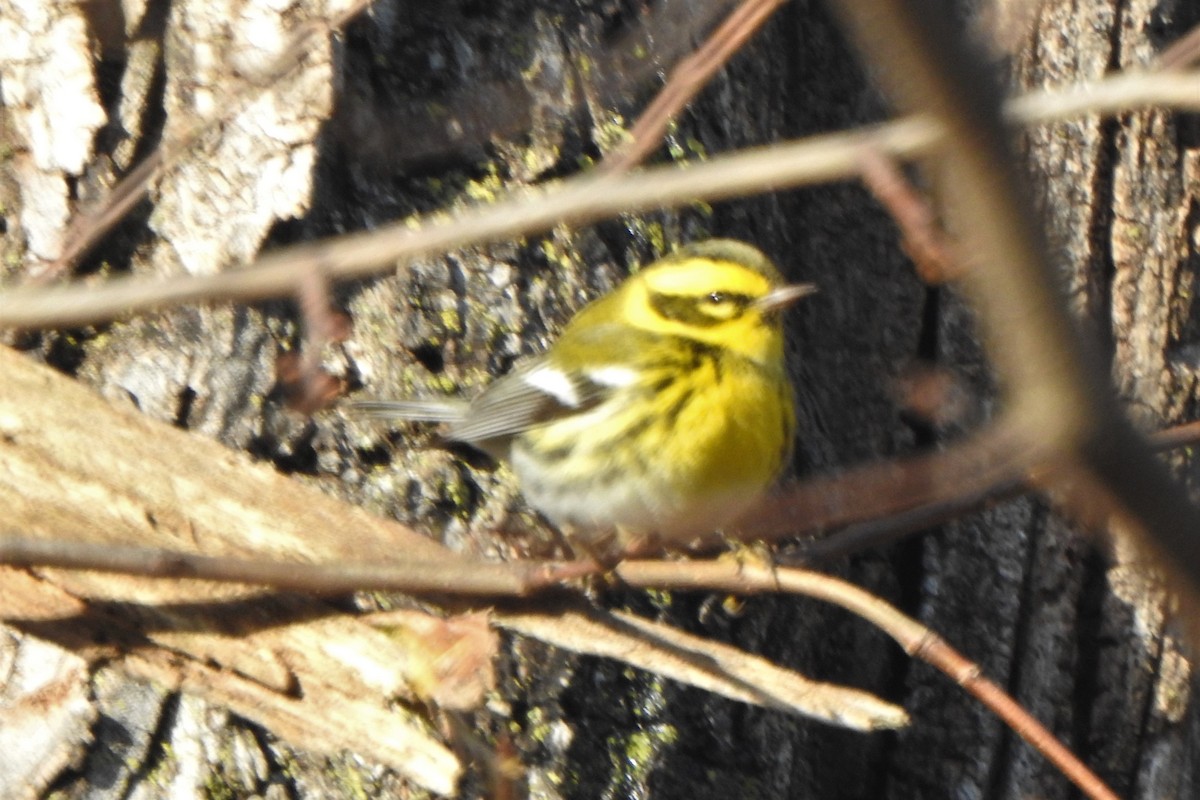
(717, 298)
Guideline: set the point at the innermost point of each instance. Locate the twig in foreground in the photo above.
(442, 578)
(922, 238)
(687, 79)
(576, 200)
(452, 576)
(916, 639)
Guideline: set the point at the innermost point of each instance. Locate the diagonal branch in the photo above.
(1058, 391)
(576, 200)
(687, 79)
(917, 640)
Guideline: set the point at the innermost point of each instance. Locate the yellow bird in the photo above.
(661, 413)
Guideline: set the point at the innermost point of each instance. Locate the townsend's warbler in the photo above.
(662, 411)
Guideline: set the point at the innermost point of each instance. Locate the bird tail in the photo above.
(412, 410)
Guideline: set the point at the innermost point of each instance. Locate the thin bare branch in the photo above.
(1122, 92)
(923, 239)
(899, 498)
(916, 639)
(1176, 436)
(306, 386)
(51, 466)
(964, 473)
(1057, 387)
(451, 575)
(687, 79)
(1184, 52)
(577, 200)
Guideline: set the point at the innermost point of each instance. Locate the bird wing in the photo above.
(582, 370)
(418, 410)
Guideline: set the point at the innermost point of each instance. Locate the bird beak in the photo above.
(784, 296)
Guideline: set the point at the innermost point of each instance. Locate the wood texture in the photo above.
(419, 107)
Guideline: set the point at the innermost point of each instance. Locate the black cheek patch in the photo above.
(700, 312)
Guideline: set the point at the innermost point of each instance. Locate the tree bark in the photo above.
(417, 108)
